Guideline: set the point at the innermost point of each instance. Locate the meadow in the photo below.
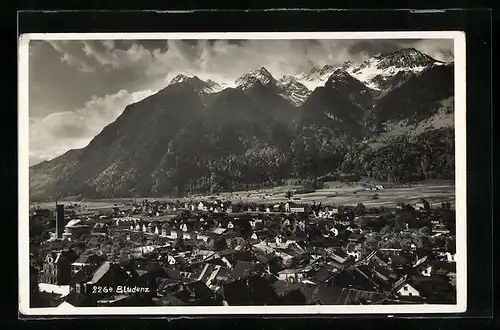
(333, 193)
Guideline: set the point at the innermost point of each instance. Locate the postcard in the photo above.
(242, 173)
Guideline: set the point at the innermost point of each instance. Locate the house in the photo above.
(339, 256)
(242, 269)
(440, 229)
(327, 294)
(293, 275)
(422, 204)
(355, 277)
(176, 234)
(256, 223)
(436, 268)
(354, 250)
(403, 288)
(85, 260)
(164, 230)
(280, 239)
(400, 206)
(287, 207)
(201, 207)
(105, 274)
(57, 267)
(218, 231)
(451, 257)
(278, 207)
(292, 208)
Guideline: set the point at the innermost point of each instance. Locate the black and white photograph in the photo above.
(242, 173)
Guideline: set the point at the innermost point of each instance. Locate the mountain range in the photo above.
(389, 117)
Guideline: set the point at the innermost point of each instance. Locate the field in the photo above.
(335, 193)
(351, 194)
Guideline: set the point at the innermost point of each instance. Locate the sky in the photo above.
(79, 87)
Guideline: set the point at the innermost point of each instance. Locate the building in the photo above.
(292, 208)
(102, 275)
(57, 267)
(354, 250)
(422, 204)
(293, 275)
(75, 229)
(60, 221)
(403, 288)
(85, 261)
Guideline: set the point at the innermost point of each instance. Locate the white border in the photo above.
(460, 180)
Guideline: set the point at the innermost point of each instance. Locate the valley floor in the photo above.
(333, 193)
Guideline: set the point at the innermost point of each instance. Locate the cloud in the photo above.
(77, 87)
(90, 55)
(156, 61)
(60, 131)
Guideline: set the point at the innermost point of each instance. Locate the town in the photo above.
(212, 252)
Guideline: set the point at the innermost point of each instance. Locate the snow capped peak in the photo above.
(317, 76)
(264, 71)
(181, 78)
(292, 90)
(340, 72)
(377, 71)
(249, 79)
(406, 57)
(205, 87)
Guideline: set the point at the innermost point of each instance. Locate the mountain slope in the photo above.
(379, 71)
(415, 99)
(45, 177)
(292, 90)
(412, 131)
(360, 95)
(117, 161)
(288, 87)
